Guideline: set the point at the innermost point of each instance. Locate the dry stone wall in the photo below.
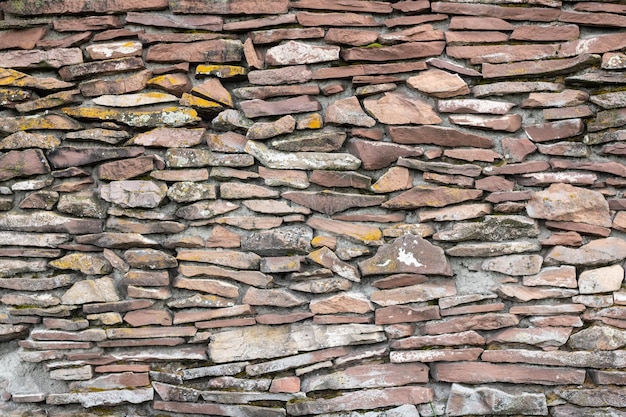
(314, 207)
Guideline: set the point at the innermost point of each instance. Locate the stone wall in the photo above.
(317, 207)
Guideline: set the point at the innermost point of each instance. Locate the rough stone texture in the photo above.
(336, 208)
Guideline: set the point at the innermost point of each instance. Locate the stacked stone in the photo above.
(312, 207)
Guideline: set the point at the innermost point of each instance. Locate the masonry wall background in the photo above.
(338, 208)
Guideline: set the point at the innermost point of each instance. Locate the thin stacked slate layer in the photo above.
(292, 208)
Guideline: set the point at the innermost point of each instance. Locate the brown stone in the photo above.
(300, 104)
(545, 33)
(22, 38)
(593, 45)
(435, 135)
(353, 37)
(230, 7)
(218, 50)
(398, 108)
(480, 373)
(521, 168)
(430, 196)
(287, 75)
(393, 53)
(554, 130)
(348, 111)
(507, 123)
(568, 112)
(479, 23)
(588, 206)
(415, 342)
(499, 54)
(335, 19)
(468, 37)
(439, 83)
(367, 69)
(541, 67)
(330, 202)
(406, 314)
(564, 98)
(468, 170)
(358, 400)
(210, 23)
(494, 11)
(377, 155)
(414, 20)
(513, 87)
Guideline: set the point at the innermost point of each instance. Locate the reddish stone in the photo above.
(283, 19)
(479, 23)
(414, 20)
(554, 130)
(545, 33)
(277, 35)
(594, 45)
(540, 67)
(486, 10)
(499, 54)
(335, 19)
(469, 170)
(258, 108)
(218, 50)
(367, 69)
(210, 23)
(480, 373)
(23, 164)
(353, 37)
(442, 136)
(406, 314)
(81, 6)
(340, 179)
(593, 19)
(359, 400)
(393, 53)
(83, 24)
(428, 196)
(230, 7)
(465, 37)
(329, 202)
(124, 85)
(22, 38)
(456, 339)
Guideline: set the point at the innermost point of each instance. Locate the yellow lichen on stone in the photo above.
(199, 103)
(221, 71)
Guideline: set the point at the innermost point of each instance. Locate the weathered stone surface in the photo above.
(399, 108)
(176, 83)
(465, 401)
(554, 130)
(53, 58)
(301, 160)
(330, 202)
(300, 104)
(429, 196)
(406, 50)
(442, 136)
(368, 399)
(541, 67)
(564, 202)
(297, 53)
(38, 122)
(498, 54)
(480, 373)
(514, 264)
(290, 339)
(409, 254)
(230, 7)
(89, 264)
(606, 279)
(488, 249)
(218, 50)
(564, 276)
(598, 338)
(439, 83)
(377, 155)
(171, 116)
(426, 291)
(103, 398)
(121, 85)
(134, 193)
(348, 111)
(492, 228)
(468, 170)
(507, 123)
(65, 157)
